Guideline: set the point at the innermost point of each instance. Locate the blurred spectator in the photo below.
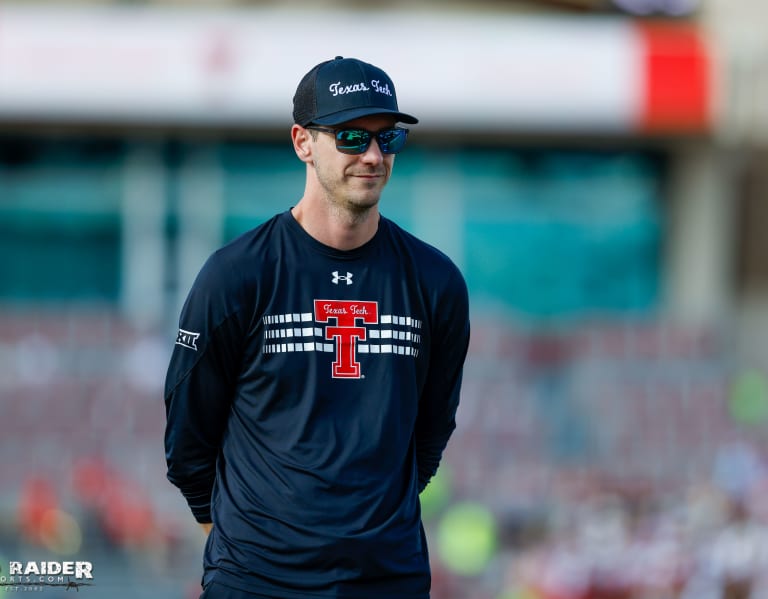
(38, 497)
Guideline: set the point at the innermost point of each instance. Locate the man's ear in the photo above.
(302, 143)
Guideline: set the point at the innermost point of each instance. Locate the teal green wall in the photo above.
(542, 232)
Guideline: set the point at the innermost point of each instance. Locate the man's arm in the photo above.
(440, 398)
(200, 384)
(197, 409)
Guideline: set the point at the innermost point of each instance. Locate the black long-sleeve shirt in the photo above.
(309, 398)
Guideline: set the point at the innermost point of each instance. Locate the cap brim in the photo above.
(344, 116)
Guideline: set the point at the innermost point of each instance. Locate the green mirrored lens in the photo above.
(357, 141)
(353, 140)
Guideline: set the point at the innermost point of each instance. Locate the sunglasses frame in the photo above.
(371, 134)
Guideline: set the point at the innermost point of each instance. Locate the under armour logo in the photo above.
(337, 277)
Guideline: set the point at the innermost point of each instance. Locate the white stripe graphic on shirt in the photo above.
(302, 338)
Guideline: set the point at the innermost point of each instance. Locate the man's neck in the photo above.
(337, 228)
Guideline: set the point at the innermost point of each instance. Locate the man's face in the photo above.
(353, 182)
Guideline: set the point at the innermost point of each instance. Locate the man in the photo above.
(316, 374)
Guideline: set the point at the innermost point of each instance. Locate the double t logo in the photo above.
(348, 316)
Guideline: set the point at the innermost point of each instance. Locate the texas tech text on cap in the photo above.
(344, 89)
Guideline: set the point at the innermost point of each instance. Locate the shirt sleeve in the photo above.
(439, 400)
(200, 383)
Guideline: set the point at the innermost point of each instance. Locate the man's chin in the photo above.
(363, 203)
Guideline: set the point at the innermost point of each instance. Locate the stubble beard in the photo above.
(349, 206)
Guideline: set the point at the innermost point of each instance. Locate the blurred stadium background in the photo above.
(598, 170)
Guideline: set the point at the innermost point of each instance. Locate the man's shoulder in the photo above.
(241, 259)
(252, 244)
(428, 257)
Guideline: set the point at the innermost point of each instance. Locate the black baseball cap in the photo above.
(344, 89)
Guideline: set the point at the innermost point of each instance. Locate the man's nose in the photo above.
(373, 155)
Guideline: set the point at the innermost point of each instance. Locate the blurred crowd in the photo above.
(698, 542)
(538, 497)
(604, 540)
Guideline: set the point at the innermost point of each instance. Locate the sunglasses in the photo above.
(357, 141)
